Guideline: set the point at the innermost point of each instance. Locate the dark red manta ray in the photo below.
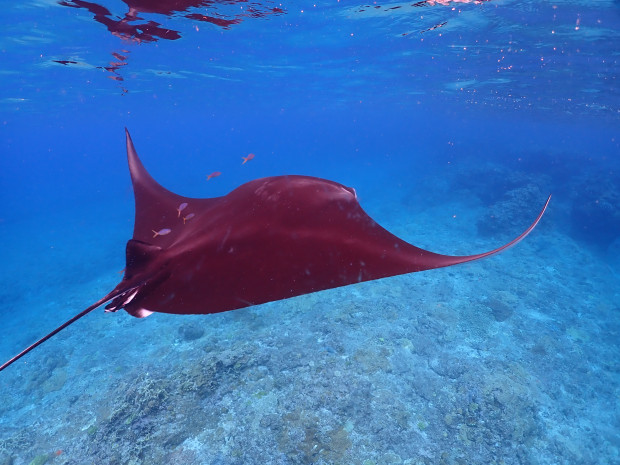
(269, 239)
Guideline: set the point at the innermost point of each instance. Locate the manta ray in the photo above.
(269, 239)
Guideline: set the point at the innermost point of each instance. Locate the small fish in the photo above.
(180, 209)
(161, 232)
(215, 174)
(58, 452)
(248, 158)
(188, 217)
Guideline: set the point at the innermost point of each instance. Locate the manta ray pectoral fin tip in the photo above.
(525, 233)
(447, 260)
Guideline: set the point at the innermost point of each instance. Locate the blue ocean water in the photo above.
(453, 120)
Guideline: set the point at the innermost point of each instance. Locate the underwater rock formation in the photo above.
(595, 212)
(510, 210)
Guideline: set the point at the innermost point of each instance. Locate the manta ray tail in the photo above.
(111, 295)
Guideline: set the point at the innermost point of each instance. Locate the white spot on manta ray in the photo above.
(141, 312)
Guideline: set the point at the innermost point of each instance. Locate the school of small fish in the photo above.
(183, 206)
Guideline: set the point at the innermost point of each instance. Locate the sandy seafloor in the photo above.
(510, 360)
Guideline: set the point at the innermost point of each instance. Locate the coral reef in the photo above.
(501, 310)
(190, 332)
